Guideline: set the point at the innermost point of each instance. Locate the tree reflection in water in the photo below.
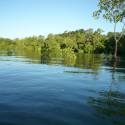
(110, 104)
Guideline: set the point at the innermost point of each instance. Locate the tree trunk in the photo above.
(116, 49)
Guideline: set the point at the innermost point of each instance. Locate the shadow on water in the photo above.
(111, 103)
(67, 58)
(107, 100)
(90, 63)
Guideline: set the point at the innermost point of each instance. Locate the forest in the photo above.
(79, 41)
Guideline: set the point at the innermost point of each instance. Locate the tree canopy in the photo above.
(79, 41)
(114, 12)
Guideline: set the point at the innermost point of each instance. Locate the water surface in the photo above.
(89, 91)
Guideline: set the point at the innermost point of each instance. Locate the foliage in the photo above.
(113, 11)
(69, 56)
(65, 44)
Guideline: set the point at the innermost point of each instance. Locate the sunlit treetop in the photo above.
(111, 10)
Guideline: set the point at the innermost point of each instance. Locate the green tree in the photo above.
(113, 11)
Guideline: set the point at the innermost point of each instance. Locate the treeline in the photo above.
(79, 41)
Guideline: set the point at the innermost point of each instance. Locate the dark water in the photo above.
(89, 91)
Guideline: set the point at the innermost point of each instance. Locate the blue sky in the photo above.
(21, 18)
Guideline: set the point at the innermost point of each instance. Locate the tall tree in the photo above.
(114, 12)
